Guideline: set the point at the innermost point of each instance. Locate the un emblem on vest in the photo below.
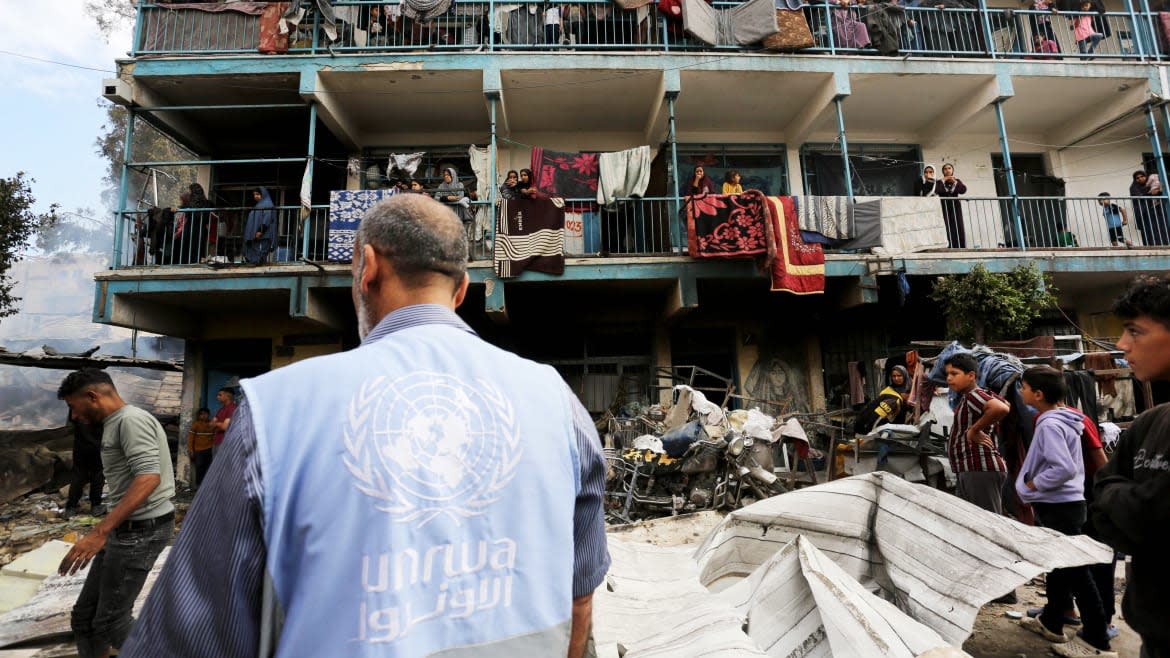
(428, 444)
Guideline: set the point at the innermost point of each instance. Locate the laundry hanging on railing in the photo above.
(795, 266)
(727, 225)
(425, 10)
(480, 158)
(831, 216)
(623, 174)
(346, 210)
(748, 23)
(566, 175)
(530, 235)
(272, 42)
(911, 224)
(296, 13)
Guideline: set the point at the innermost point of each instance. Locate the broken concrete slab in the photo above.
(45, 616)
(20, 579)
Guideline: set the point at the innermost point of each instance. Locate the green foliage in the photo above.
(18, 226)
(983, 306)
(149, 145)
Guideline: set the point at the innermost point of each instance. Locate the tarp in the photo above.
(866, 566)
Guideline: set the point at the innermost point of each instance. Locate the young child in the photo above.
(731, 183)
(1052, 481)
(1086, 35)
(1044, 45)
(1132, 507)
(199, 444)
(1114, 219)
(972, 447)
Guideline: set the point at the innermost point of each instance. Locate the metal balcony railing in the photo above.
(638, 227)
(366, 26)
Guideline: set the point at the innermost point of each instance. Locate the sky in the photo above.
(53, 113)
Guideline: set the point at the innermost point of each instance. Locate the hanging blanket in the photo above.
(272, 42)
(727, 225)
(623, 174)
(530, 235)
(425, 10)
(194, 26)
(748, 23)
(828, 215)
(566, 175)
(346, 210)
(795, 267)
(911, 224)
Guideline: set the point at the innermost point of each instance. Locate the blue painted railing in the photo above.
(367, 26)
(643, 227)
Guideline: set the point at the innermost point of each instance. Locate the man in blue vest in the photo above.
(425, 494)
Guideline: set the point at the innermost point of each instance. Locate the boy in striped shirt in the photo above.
(972, 447)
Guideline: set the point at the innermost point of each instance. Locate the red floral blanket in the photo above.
(727, 225)
(566, 175)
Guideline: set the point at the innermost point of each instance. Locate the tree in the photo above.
(149, 145)
(108, 14)
(982, 305)
(18, 226)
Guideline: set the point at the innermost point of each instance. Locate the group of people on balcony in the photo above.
(190, 233)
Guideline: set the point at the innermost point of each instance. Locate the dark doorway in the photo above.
(709, 349)
(225, 362)
(1041, 204)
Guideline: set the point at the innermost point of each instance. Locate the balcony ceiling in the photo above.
(744, 101)
(580, 100)
(396, 106)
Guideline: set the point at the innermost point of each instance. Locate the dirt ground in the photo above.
(997, 636)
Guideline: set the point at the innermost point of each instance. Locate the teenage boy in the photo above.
(1132, 507)
(1052, 481)
(972, 447)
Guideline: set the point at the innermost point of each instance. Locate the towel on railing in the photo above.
(795, 266)
(530, 235)
(623, 174)
(727, 225)
(830, 216)
(748, 23)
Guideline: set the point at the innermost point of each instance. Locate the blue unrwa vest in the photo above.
(418, 498)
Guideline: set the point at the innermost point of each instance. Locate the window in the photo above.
(877, 170)
(761, 167)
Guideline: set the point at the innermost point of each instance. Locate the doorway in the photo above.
(1041, 202)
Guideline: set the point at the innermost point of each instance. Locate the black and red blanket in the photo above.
(727, 225)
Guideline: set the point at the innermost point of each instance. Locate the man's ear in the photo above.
(370, 267)
(461, 291)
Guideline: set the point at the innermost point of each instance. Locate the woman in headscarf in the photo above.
(889, 406)
(1148, 212)
(510, 188)
(925, 184)
(259, 228)
(700, 183)
(526, 185)
(452, 193)
(950, 187)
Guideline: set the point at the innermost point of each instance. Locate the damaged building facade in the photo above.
(335, 110)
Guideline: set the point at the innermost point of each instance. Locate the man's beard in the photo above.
(365, 320)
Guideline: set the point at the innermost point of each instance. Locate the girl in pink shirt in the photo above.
(1086, 35)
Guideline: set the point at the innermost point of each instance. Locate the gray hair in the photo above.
(418, 235)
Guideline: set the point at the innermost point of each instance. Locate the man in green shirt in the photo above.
(141, 521)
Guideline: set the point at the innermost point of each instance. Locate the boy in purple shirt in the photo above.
(1052, 480)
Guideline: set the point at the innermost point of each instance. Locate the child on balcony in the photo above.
(731, 184)
(1042, 44)
(1082, 26)
(1114, 219)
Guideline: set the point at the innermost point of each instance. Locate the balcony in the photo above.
(640, 228)
(366, 27)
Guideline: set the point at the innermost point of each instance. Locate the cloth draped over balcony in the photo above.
(346, 210)
(748, 23)
(886, 22)
(566, 175)
(911, 224)
(299, 8)
(221, 26)
(530, 235)
(623, 174)
(481, 166)
(754, 225)
(425, 10)
(831, 216)
(794, 265)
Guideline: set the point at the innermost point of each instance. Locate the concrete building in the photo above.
(1034, 136)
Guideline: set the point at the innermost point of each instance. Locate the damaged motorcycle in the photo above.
(692, 468)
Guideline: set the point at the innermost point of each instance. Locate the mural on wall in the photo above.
(778, 381)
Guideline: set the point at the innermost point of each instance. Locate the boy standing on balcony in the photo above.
(1132, 507)
(1114, 219)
